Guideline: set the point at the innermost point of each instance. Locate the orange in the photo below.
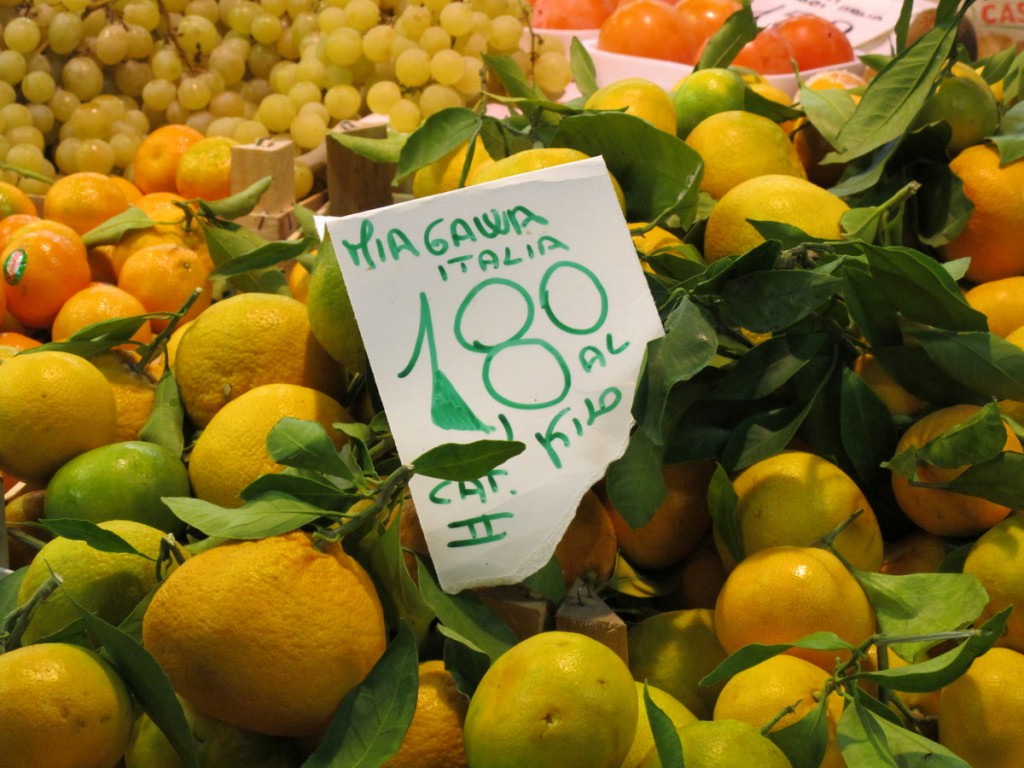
(18, 341)
(14, 201)
(980, 713)
(10, 224)
(701, 576)
(938, 511)
(898, 400)
(570, 14)
(723, 744)
(134, 391)
(131, 192)
(44, 265)
(781, 594)
(26, 507)
(640, 98)
(678, 523)
(917, 552)
(165, 209)
(967, 105)
(994, 560)
(84, 200)
(434, 738)
(1001, 301)
(101, 263)
(704, 93)
(267, 635)
(298, 281)
(156, 162)
(162, 277)
(995, 230)
(587, 549)
(443, 174)
(204, 170)
(649, 28)
(244, 341)
(97, 302)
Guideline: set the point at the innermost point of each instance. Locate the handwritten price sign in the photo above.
(516, 310)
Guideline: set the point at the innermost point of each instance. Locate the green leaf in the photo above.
(399, 594)
(764, 302)
(914, 370)
(582, 66)
(10, 583)
(269, 515)
(466, 665)
(873, 315)
(226, 244)
(1000, 480)
(386, 150)
(922, 604)
(978, 438)
(468, 616)
(806, 740)
(114, 228)
(666, 740)
(866, 739)
(305, 444)
(943, 209)
(269, 255)
(548, 581)
(372, 719)
(147, 682)
(84, 530)
(440, 134)
(463, 462)
(722, 503)
(311, 487)
(866, 428)
(661, 180)
(241, 203)
(828, 111)
(981, 361)
(753, 654)
(635, 482)
(512, 78)
(723, 46)
(164, 424)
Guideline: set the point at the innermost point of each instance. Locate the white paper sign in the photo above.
(865, 22)
(513, 310)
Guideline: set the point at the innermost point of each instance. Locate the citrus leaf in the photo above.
(466, 665)
(240, 203)
(114, 228)
(873, 315)
(269, 255)
(750, 655)
(10, 583)
(806, 740)
(635, 482)
(582, 67)
(468, 616)
(269, 515)
(764, 302)
(147, 682)
(87, 531)
(439, 134)
(666, 740)
(225, 244)
(512, 78)
(460, 462)
(1000, 480)
(722, 503)
(723, 46)
(163, 426)
(548, 581)
(827, 110)
(371, 721)
(305, 444)
(866, 428)
(769, 365)
(310, 487)
(387, 150)
(981, 361)
(978, 438)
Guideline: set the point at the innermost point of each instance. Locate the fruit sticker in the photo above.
(14, 266)
(513, 310)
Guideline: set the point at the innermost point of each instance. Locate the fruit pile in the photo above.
(808, 554)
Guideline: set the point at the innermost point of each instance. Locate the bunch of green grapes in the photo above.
(82, 82)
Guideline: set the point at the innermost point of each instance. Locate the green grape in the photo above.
(15, 115)
(377, 42)
(131, 77)
(308, 130)
(276, 111)
(303, 180)
(413, 22)
(176, 113)
(94, 21)
(83, 77)
(381, 95)
(12, 67)
(158, 94)
(38, 87)
(22, 34)
(64, 155)
(229, 62)
(436, 97)
(65, 33)
(240, 18)
(435, 39)
(208, 9)
(27, 156)
(27, 134)
(90, 121)
(344, 47)
(310, 69)
(399, 44)
(295, 7)
(335, 75)
(434, 6)
(472, 79)
(282, 76)
(551, 72)
(144, 13)
(42, 118)
(506, 32)
(266, 28)
(255, 90)
(200, 120)
(275, 7)
(94, 155)
(7, 94)
(331, 18)
(316, 108)
(140, 42)
(43, 14)
(446, 67)
(32, 186)
(261, 60)
(224, 126)
(75, 6)
(227, 104)
(343, 101)
(489, 8)
(302, 27)
(63, 103)
(166, 64)
(412, 67)
(237, 43)
(457, 19)
(214, 80)
(304, 92)
(250, 131)
(138, 121)
(197, 35)
(124, 147)
(405, 116)
(111, 44)
(194, 93)
(362, 14)
(474, 44)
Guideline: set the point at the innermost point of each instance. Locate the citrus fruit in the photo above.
(980, 713)
(673, 650)
(994, 231)
(898, 400)
(723, 744)
(122, 481)
(44, 264)
(938, 511)
(162, 276)
(638, 97)
(917, 552)
(231, 451)
(267, 635)
(131, 192)
(84, 200)
(64, 707)
(298, 281)
(814, 41)
(134, 390)
(156, 161)
(204, 170)
(434, 738)
(706, 17)
(781, 594)
(768, 54)
(331, 316)
(244, 341)
(701, 576)
(780, 198)
(12, 223)
(53, 406)
(17, 341)
(26, 507)
(587, 549)
(644, 739)
(759, 694)
(220, 744)
(443, 174)
(737, 146)
(967, 106)
(994, 561)
(108, 584)
(649, 28)
(556, 698)
(95, 303)
(678, 523)
(171, 226)
(1001, 301)
(13, 201)
(704, 93)
(797, 498)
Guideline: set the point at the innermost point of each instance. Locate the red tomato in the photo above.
(706, 17)
(768, 53)
(649, 28)
(815, 42)
(571, 14)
